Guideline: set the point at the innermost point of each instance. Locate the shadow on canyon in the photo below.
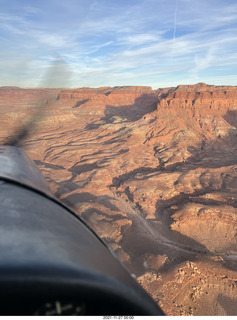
(231, 117)
(228, 304)
(143, 105)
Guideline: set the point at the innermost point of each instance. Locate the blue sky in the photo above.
(159, 43)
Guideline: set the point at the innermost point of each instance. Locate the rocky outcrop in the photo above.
(107, 95)
(202, 96)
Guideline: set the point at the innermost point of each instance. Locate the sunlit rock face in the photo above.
(153, 172)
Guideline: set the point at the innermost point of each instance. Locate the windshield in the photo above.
(129, 111)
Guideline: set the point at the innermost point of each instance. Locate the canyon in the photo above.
(152, 172)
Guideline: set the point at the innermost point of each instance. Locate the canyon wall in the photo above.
(153, 172)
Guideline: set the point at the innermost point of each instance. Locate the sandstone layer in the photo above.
(153, 172)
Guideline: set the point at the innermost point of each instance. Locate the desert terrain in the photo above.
(153, 172)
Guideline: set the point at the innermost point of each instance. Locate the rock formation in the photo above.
(153, 172)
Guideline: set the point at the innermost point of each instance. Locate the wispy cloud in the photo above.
(119, 42)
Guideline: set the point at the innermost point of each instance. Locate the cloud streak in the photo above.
(175, 20)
